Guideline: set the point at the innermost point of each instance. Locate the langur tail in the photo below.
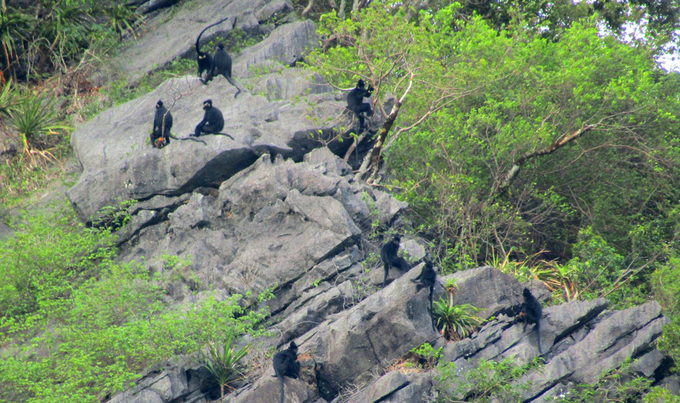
(282, 395)
(198, 39)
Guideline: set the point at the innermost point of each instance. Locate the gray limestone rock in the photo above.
(171, 34)
(388, 207)
(395, 387)
(488, 288)
(119, 163)
(380, 329)
(620, 335)
(268, 225)
(413, 251)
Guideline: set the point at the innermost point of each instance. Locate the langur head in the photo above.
(361, 83)
(220, 46)
(159, 104)
(207, 104)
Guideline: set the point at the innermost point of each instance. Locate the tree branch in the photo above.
(510, 176)
(372, 160)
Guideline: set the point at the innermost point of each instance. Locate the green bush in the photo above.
(614, 386)
(49, 256)
(455, 321)
(76, 327)
(34, 116)
(666, 286)
(223, 362)
(490, 381)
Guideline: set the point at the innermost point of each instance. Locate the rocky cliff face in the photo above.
(273, 208)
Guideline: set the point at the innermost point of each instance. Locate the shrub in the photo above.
(490, 382)
(223, 362)
(77, 327)
(33, 116)
(455, 321)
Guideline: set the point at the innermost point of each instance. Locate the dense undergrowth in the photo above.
(76, 326)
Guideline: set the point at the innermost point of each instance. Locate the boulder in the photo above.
(388, 207)
(395, 387)
(616, 337)
(369, 336)
(172, 33)
(268, 390)
(281, 47)
(413, 251)
(146, 7)
(268, 225)
(165, 387)
(119, 163)
(492, 290)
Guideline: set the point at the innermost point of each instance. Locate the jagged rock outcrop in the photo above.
(119, 163)
(175, 33)
(490, 289)
(347, 347)
(269, 224)
(396, 387)
(580, 341)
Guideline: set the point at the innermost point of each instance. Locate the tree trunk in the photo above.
(373, 158)
(308, 8)
(341, 9)
(354, 145)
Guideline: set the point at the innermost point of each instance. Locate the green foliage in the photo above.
(614, 386)
(58, 33)
(490, 382)
(63, 30)
(223, 362)
(34, 116)
(15, 26)
(666, 286)
(456, 321)
(122, 18)
(6, 99)
(49, 256)
(660, 395)
(512, 146)
(76, 327)
(429, 354)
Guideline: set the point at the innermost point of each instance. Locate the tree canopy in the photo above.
(513, 144)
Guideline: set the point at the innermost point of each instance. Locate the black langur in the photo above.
(286, 364)
(390, 259)
(204, 60)
(427, 278)
(296, 59)
(355, 102)
(212, 123)
(221, 64)
(162, 123)
(532, 314)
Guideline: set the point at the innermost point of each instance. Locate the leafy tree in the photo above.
(512, 144)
